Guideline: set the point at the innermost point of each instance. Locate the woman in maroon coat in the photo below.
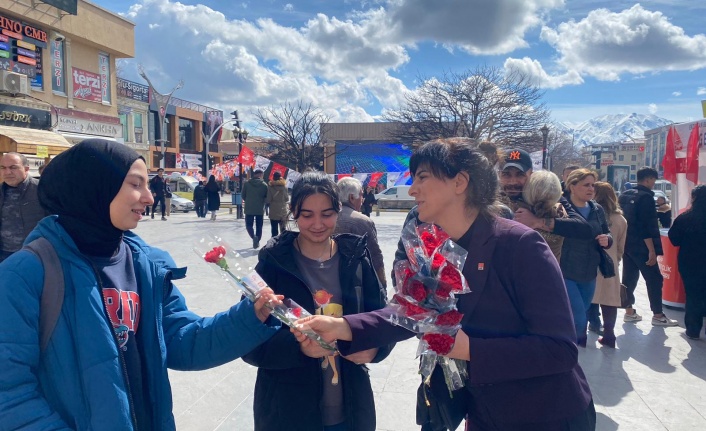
(517, 332)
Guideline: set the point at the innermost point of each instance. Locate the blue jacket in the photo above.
(78, 382)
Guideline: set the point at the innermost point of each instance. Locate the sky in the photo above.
(356, 58)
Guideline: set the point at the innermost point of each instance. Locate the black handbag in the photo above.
(606, 265)
(437, 408)
(624, 300)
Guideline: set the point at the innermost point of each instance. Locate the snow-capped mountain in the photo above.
(612, 128)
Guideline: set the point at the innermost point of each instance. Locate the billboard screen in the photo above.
(371, 157)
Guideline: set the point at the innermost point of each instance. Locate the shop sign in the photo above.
(18, 30)
(58, 83)
(133, 90)
(18, 116)
(89, 127)
(87, 85)
(42, 151)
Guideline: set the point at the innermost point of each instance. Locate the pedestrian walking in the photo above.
(200, 199)
(580, 258)
(516, 333)
(158, 186)
(19, 206)
(254, 196)
(168, 198)
(313, 388)
(607, 294)
(642, 246)
(212, 196)
(689, 234)
(278, 199)
(119, 322)
(368, 201)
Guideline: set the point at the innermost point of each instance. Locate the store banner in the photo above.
(87, 85)
(188, 161)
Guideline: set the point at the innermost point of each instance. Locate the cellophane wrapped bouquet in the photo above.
(425, 299)
(227, 262)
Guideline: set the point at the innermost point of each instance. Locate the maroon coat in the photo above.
(524, 361)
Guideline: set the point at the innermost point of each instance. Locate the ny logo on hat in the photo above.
(514, 155)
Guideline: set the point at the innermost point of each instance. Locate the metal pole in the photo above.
(545, 133)
(239, 131)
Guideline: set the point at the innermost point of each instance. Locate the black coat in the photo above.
(214, 199)
(289, 384)
(580, 257)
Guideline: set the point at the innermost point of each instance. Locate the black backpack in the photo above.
(53, 290)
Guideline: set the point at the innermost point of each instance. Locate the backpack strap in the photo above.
(53, 290)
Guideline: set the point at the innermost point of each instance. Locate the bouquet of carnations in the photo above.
(248, 281)
(425, 299)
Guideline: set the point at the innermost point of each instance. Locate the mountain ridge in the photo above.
(612, 128)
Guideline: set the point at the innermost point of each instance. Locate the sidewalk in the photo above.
(654, 380)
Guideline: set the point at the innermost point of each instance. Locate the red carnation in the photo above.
(439, 343)
(443, 290)
(297, 312)
(450, 318)
(217, 256)
(410, 309)
(429, 241)
(437, 262)
(452, 278)
(408, 274)
(416, 290)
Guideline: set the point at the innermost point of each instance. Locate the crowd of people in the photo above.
(543, 259)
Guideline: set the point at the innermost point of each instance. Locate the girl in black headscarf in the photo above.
(214, 200)
(122, 321)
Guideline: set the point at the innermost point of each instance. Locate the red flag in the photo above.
(344, 176)
(669, 161)
(374, 178)
(692, 156)
(246, 157)
(276, 167)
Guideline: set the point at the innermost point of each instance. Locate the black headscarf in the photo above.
(79, 184)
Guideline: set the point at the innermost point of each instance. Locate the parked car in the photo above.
(181, 204)
(395, 193)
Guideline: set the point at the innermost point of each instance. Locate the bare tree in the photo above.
(563, 151)
(298, 128)
(485, 103)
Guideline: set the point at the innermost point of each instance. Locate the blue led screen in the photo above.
(371, 157)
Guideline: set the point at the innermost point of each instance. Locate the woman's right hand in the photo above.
(329, 328)
(308, 346)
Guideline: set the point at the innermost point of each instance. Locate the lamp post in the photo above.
(162, 104)
(545, 134)
(242, 135)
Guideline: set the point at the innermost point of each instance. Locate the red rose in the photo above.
(443, 290)
(437, 262)
(410, 309)
(452, 278)
(450, 318)
(416, 290)
(439, 343)
(429, 241)
(297, 312)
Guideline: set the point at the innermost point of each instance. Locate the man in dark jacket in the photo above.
(254, 196)
(642, 246)
(19, 206)
(158, 186)
(200, 198)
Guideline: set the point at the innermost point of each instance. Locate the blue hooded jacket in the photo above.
(78, 383)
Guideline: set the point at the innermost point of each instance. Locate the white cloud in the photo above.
(701, 91)
(652, 108)
(607, 44)
(533, 69)
(289, 7)
(676, 94)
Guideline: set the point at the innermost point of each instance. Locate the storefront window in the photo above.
(169, 160)
(137, 120)
(123, 121)
(186, 135)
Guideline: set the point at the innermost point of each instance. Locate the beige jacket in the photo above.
(608, 289)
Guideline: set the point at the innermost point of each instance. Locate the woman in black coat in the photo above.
(688, 232)
(309, 389)
(368, 201)
(214, 200)
(580, 257)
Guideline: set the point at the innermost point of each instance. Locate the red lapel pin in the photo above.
(481, 266)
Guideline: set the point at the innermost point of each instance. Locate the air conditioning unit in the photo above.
(13, 83)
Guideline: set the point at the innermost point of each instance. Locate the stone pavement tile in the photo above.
(630, 422)
(396, 411)
(212, 409)
(240, 419)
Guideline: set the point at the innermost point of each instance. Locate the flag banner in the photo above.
(360, 177)
(262, 163)
(392, 178)
(276, 167)
(246, 157)
(669, 161)
(343, 176)
(292, 177)
(692, 155)
(403, 179)
(536, 157)
(374, 178)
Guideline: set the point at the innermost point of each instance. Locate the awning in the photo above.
(78, 137)
(25, 141)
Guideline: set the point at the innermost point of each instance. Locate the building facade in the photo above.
(133, 111)
(629, 154)
(57, 76)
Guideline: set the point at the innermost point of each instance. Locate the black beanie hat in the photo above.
(79, 184)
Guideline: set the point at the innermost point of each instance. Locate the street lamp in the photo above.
(545, 134)
(162, 104)
(242, 135)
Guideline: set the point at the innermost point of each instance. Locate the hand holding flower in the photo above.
(266, 299)
(308, 346)
(329, 328)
